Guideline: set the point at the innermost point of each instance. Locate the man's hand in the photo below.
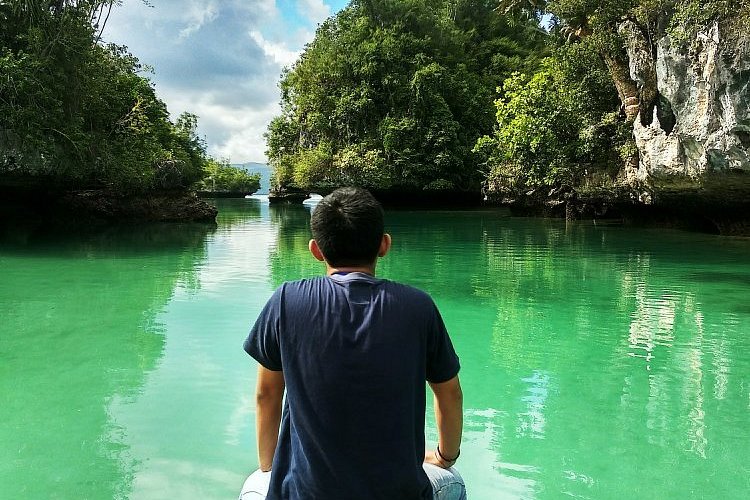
(431, 457)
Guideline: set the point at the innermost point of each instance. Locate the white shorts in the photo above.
(447, 484)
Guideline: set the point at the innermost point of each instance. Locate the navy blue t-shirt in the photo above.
(355, 351)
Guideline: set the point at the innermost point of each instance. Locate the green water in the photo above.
(598, 362)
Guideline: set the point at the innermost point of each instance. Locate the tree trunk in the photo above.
(627, 89)
(642, 64)
(630, 103)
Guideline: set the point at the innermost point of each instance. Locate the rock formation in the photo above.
(701, 122)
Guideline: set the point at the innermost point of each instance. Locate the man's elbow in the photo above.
(270, 387)
(268, 395)
(456, 395)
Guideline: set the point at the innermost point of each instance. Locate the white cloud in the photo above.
(220, 59)
(246, 139)
(276, 51)
(314, 10)
(233, 132)
(197, 15)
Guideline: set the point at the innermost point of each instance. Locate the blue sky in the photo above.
(220, 59)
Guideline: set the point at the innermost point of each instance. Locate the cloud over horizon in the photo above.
(220, 59)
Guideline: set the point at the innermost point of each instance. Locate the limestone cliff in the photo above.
(701, 122)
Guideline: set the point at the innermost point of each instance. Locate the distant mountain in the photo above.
(260, 168)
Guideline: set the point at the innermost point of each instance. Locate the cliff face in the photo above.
(701, 121)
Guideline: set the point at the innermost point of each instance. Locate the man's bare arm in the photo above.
(269, 394)
(449, 419)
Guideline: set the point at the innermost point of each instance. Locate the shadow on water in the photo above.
(78, 305)
(37, 236)
(234, 211)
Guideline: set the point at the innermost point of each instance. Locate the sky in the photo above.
(220, 59)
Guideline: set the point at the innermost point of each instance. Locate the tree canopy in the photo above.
(393, 94)
(77, 113)
(220, 176)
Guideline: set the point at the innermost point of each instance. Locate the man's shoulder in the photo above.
(409, 294)
(399, 289)
(303, 283)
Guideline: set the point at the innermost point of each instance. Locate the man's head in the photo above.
(347, 228)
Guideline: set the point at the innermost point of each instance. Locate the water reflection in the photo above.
(194, 418)
(596, 363)
(78, 329)
(234, 211)
(584, 348)
(531, 422)
(290, 258)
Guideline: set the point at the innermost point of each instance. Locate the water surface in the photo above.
(597, 362)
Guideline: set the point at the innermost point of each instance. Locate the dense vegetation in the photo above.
(557, 127)
(75, 113)
(398, 95)
(223, 177)
(393, 94)
(401, 94)
(564, 126)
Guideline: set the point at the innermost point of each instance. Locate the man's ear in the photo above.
(315, 250)
(385, 245)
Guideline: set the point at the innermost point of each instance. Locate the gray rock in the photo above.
(701, 123)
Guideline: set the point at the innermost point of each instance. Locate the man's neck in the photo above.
(350, 269)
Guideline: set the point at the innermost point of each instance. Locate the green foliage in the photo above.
(596, 14)
(555, 127)
(560, 126)
(684, 18)
(691, 16)
(79, 114)
(220, 176)
(393, 94)
(365, 167)
(311, 166)
(536, 135)
(283, 171)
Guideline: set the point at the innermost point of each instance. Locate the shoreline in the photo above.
(683, 210)
(102, 206)
(689, 210)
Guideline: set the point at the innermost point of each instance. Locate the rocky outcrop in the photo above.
(162, 207)
(42, 198)
(287, 195)
(700, 124)
(224, 194)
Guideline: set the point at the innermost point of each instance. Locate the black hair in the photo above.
(348, 227)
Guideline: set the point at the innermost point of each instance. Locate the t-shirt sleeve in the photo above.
(442, 360)
(263, 341)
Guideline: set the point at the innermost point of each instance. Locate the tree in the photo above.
(393, 94)
(78, 114)
(553, 127)
(223, 177)
(626, 30)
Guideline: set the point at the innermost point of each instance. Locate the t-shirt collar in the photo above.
(354, 276)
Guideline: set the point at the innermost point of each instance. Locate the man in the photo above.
(353, 353)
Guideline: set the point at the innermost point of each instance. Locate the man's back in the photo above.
(355, 351)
